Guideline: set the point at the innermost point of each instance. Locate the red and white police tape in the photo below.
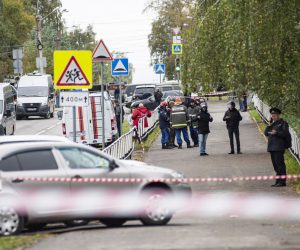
(166, 180)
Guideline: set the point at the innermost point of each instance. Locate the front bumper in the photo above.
(34, 111)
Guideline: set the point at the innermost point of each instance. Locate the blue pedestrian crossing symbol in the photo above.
(160, 68)
(120, 67)
(176, 48)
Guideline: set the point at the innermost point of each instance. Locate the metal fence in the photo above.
(263, 109)
(124, 146)
(151, 122)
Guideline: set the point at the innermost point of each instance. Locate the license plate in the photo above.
(31, 109)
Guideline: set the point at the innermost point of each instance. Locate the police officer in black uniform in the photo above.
(279, 139)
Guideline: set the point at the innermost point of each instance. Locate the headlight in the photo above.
(19, 104)
(177, 175)
(44, 104)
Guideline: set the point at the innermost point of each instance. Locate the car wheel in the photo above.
(76, 223)
(156, 212)
(11, 222)
(112, 222)
(19, 117)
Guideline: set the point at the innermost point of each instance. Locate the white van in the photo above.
(7, 109)
(89, 121)
(35, 96)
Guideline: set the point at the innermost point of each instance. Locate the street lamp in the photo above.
(39, 45)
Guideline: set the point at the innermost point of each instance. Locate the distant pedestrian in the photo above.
(193, 110)
(179, 120)
(139, 113)
(232, 118)
(204, 118)
(164, 125)
(172, 130)
(158, 95)
(279, 139)
(118, 111)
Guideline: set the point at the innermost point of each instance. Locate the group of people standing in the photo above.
(175, 118)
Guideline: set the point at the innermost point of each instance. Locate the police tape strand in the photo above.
(147, 180)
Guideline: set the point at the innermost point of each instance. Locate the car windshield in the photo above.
(144, 90)
(129, 90)
(1, 106)
(37, 91)
(171, 93)
(166, 88)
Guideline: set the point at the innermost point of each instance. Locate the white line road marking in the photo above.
(49, 128)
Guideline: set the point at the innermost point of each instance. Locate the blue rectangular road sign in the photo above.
(160, 68)
(120, 67)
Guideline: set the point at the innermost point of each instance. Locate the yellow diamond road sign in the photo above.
(73, 69)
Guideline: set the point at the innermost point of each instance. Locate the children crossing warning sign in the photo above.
(72, 69)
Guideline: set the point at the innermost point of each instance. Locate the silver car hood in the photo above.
(145, 169)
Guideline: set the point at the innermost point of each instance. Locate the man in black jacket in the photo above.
(278, 137)
(232, 118)
(204, 119)
(164, 125)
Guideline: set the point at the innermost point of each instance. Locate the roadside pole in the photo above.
(74, 124)
(102, 104)
(160, 78)
(177, 71)
(121, 105)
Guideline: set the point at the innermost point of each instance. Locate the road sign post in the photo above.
(101, 54)
(73, 70)
(160, 69)
(120, 67)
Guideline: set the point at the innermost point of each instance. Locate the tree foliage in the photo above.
(251, 45)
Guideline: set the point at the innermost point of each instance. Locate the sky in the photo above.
(122, 25)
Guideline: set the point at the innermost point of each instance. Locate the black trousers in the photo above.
(172, 137)
(277, 158)
(236, 132)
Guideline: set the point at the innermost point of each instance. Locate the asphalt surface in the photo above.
(39, 126)
(189, 232)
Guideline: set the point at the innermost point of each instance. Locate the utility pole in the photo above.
(39, 44)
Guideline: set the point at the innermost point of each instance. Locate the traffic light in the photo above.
(177, 64)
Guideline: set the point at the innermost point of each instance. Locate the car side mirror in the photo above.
(7, 113)
(113, 165)
(59, 114)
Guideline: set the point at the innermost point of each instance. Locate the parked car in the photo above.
(7, 109)
(171, 94)
(89, 121)
(76, 161)
(35, 96)
(31, 138)
(143, 92)
(149, 103)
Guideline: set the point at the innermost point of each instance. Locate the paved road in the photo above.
(192, 233)
(40, 126)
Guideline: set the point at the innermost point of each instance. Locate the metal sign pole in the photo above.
(74, 123)
(102, 104)
(120, 101)
(176, 70)
(160, 78)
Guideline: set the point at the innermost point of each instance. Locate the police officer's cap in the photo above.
(275, 111)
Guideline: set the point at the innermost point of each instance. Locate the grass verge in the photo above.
(19, 242)
(291, 164)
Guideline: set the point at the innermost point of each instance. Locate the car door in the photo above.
(84, 166)
(41, 193)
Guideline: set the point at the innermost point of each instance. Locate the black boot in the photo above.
(168, 146)
(189, 145)
(179, 146)
(164, 146)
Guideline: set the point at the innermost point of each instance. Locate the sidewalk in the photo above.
(254, 161)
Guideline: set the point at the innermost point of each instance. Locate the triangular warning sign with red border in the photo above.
(73, 75)
(101, 53)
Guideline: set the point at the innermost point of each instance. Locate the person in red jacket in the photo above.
(139, 113)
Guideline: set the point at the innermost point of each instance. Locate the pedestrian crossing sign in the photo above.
(160, 68)
(73, 69)
(176, 48)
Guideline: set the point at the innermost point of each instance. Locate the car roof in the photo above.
(13, 148)
(31, 138)
(146, 86)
